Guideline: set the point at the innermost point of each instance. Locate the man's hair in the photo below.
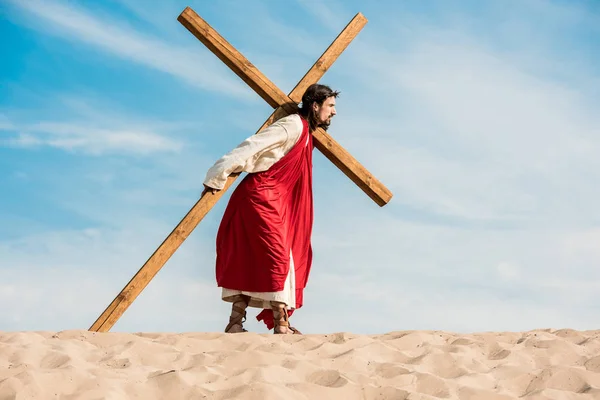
(315, 93)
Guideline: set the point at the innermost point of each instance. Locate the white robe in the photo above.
(255, 154)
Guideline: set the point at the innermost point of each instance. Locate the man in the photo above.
(264, 251)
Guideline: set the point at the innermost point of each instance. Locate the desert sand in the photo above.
(541, 364)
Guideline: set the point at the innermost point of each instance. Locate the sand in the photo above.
(543, 364)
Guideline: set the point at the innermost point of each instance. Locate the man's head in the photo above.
(318, 106)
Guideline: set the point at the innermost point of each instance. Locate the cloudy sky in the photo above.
(481, 117)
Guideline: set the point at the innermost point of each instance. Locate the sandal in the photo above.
(241, 311)
(294, 330)
(281, 319)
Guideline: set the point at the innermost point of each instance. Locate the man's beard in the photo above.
(325, 125)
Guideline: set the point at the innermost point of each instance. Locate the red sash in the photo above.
(269, 214)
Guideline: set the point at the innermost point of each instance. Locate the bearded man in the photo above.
(264, 251)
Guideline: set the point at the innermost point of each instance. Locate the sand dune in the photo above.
(544, 364)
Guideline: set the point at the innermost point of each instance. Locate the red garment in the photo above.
(269, 214)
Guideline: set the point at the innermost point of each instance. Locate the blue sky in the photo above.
(481, 117)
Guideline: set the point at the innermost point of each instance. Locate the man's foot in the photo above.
(281, 320)
(238, 314)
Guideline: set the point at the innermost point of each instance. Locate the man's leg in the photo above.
(238, 314)
(281, 319)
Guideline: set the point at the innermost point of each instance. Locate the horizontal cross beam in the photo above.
(276, 98)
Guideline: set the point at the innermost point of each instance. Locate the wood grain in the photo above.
(168, 247)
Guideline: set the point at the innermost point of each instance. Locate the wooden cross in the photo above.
(283, 105)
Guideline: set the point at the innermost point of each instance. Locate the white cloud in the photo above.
(410, 277)
(64, 279)
(508, 271)
(584, 247)
(466, 132)
(74, 137)
(493, 170)
(5, 123)
(401, 275)
(91, 125)
(154, 15)
(328, 14)
(193, 64)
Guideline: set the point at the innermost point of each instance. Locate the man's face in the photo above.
(325, 111)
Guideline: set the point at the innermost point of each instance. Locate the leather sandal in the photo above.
(241, 317)
(281, 318)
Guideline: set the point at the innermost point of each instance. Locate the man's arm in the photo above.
(245, 156)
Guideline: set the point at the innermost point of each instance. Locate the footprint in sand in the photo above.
(564, 379)
(338, 338)
(389, 371)
(593, 364)
(55, 360)
(328, 378)
(432, 385)
(118, 363)
(570, 335)
(461, 342)
(498, 354)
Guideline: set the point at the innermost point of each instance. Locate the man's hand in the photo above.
(208, 189)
